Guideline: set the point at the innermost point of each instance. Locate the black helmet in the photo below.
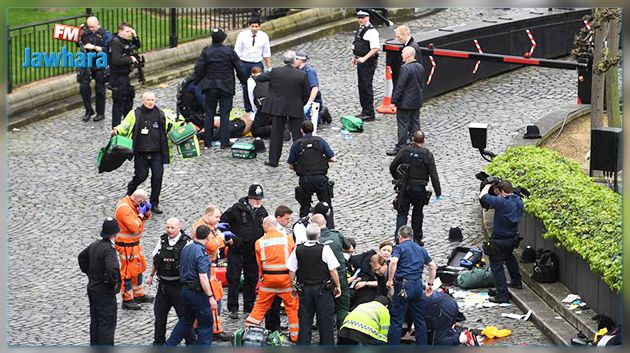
(528, 255)
(455, 234)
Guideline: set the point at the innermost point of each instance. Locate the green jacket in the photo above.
(128, 129)
(371, 319)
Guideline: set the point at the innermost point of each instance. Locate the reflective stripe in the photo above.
(253, 321)
(274, 267)
(282, 240)
(374, 318)
(273, 241)
(385, 328)
(372, 332)
(128, 236)
(294, 325)
(276, 290)
(169, 278)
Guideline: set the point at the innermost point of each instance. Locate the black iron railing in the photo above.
(157, 28)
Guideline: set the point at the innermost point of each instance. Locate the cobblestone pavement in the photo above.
(57, 200)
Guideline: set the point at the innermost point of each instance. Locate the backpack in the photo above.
(546, 267)
(351, 123)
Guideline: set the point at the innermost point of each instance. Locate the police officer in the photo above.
(196, 294)
(309, 157)
(405, 276)
(365, 50)
(339, 245)
(508, 211)
(315, 95)
(166, 266)
(442, 311)
(214, 75)
(148, 126)
(314, 265)
(367, 324)
(94, 39)
(299, 227)
(100, 262)
(416, 165)
(120, 65)
(245, 218)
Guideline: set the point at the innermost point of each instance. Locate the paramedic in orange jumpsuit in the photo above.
(272, 253)
(132, 261)
(215, 242)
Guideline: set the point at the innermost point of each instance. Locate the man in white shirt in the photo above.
(252, 46)
(166, 266)
(299, 228)
(365, 56)
(314, 265)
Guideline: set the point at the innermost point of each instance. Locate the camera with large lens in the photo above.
(486, 179)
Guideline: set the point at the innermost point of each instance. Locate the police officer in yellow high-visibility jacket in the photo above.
(367, 324)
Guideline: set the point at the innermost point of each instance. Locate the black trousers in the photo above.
(272, 318)
(316, 300)
(318, 185)
(245, 261)
(408, 121)
(102, 318)
(216, 96)
(86, 76)
(142, 163)
(168, 296)
(261, 127)
(414, 196)
(365, 73)
(277, 135)
(122, 97)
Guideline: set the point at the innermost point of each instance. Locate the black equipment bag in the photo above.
(546, 267)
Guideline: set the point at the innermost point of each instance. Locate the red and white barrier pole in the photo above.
(478, 61)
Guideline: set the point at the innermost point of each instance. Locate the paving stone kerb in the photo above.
(57, 200)
(160, 62)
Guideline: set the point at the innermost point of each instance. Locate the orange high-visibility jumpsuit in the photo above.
(132, 261)
(272, 254)
(212, 248)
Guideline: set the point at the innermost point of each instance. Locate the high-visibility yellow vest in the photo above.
(370, 318)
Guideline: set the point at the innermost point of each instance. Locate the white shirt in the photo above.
(327, 256)
(251, 84)
(253, 54)
(299, 231)
(171, 242)
(371, 35)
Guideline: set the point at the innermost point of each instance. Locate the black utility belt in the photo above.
(195, 286)
(278, 272)
(135, 243)
(407, 279)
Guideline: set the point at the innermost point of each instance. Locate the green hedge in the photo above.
(581, 215)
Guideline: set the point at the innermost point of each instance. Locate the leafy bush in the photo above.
(581, 215)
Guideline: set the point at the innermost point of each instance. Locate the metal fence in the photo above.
(156, 27)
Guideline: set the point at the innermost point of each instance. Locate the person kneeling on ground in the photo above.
(367, 324)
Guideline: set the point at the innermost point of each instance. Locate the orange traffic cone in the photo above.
(387, 107)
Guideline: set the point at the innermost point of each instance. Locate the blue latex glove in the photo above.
(439, 198)
(228, 235)
(307, 110)
(223, 226)
(145, 207)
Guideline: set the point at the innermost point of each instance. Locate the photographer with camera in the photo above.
(508, 211)
(121, 62)
(94, 39)
(411, 169)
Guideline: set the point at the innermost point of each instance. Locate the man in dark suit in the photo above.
(407, 97)
(403, 35)
(288, 93)
(214, 74)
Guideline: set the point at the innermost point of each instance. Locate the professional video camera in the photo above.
(486, 179)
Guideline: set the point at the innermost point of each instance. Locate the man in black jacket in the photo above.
(288, 92)
(419, 166)
(214, 75)
(407, 97)
(120, 66)
(403, 35)
(245, 218)
(100, 262)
